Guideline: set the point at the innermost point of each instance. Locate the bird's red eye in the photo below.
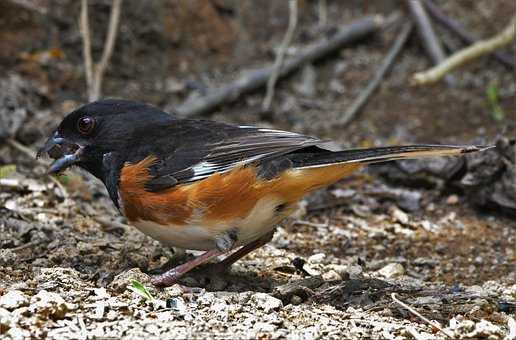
(85, 125)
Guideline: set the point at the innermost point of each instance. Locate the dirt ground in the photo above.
(338, 267)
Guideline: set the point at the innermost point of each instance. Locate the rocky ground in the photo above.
(354, 262)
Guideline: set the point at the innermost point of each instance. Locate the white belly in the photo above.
(260, 221)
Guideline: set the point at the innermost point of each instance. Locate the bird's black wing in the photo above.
(202, 148)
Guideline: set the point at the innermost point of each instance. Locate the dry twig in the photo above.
(95, 72)
(430, 41)
(464, 35)
(419, 315)
(323, 12)
(469, 53)
(280, 57)
(379, 75)
(351, 33)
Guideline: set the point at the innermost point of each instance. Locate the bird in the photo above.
(201, 184)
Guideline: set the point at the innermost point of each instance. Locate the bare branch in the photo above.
(464, 35)
(323, 12)
(469, 53)
(278, 64)
(95, 73)
(86, 47)
(430, 41)
(109, 44)
(380, 74)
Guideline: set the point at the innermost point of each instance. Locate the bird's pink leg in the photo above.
(171, 276)
(237, 255)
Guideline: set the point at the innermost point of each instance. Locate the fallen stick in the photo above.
(464, 35)
(469, 53)
(416, 313)
(430, 41)
(254, 80)
(379, 75)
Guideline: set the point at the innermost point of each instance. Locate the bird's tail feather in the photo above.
(383, 154)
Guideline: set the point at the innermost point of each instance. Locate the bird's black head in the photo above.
(92, 132)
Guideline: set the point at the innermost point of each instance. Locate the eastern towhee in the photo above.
(205, 185)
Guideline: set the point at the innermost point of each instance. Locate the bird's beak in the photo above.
(64, 152)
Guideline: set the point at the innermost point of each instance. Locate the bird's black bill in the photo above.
(64, 153)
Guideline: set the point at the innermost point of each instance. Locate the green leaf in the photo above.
(496, 111)
(140, 289)
(7, 170)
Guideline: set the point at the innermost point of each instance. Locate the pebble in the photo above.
(7, 257)
(392, 270)
(452, 199)
(331, 275)
(13, 299)
(177, 304)
(266, 302)
(296, 300)
(399, 216)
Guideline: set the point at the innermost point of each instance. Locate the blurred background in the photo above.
(440, 233)
(169, 51)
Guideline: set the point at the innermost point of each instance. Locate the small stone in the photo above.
(296, 300)
(399, 216)
(18, 333)
(392, 270)
(13, 299)
(266, 302)
(177, 304)
(452, 199)
(316, 258)
(354, 272)
(331, 275)
(124, 279)
(174, 290)
(7, 257)
(49, 305)
(264, 327)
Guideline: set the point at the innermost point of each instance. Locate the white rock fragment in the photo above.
(13, 299)
(266, 302)
(264, 327)
(6, 319)
(487, 330)
(399, 216)
(511, 324)
(331, 275)
(317, 258)
(18, 333)
(392, 270)
(177, 304)
(49, 305)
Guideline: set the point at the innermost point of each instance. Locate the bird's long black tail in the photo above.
(381, 154)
